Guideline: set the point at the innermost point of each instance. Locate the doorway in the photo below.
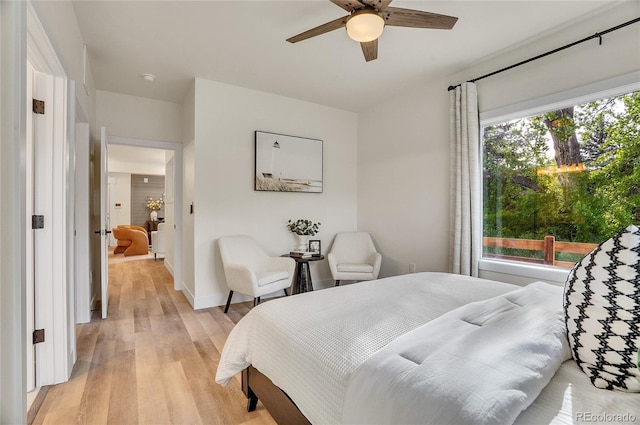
(153, 157)
(137, 181)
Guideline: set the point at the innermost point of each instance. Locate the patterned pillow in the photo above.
(602, 312)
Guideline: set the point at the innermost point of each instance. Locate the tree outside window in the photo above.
(572, 173)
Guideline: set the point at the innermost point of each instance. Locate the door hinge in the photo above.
(37, 222)
(38, 336)
(38, 106)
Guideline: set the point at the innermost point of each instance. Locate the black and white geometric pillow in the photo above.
(602, 312)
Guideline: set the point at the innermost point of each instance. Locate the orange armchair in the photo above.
(132, 240)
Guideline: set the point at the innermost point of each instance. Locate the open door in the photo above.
(49, 346)
(104, 224)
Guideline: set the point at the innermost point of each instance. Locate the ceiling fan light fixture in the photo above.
(365, 25)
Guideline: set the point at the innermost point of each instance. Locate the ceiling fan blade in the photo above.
(348, 5)
(370, 50)
(322, 29)
(399, 17)
(379, 5)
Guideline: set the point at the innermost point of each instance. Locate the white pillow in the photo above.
(602, 312)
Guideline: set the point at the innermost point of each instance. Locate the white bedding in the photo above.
(480, 364)
(571, 399)
(298, 343)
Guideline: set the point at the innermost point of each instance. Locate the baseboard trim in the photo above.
(34, 408)
(169, 267)
(188, 295)
(216, 300)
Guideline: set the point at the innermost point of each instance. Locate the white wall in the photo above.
(403, 180)
(577, 66)
(12, 221)
(119, 193)
(137, 117)
(137, 161)
(403, 162)
(188, 179)
(59, 21)
(225, 203)
(144, 119)
(169, 216)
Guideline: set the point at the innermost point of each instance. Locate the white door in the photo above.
(104, 223)
(47, 201)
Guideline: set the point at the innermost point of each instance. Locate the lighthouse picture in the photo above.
(287, 163)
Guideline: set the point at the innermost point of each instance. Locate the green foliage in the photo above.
(303, 227)
(526, 197)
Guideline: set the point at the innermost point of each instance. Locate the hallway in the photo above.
(152, 361)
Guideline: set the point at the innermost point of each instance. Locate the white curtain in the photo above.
(465, 201)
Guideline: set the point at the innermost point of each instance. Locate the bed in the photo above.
(417, 348)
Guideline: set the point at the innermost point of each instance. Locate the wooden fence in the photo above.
(548, 246)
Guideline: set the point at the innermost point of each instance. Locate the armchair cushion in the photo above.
(354, 268)
(354, 257)
(251, 271)
(266, 277)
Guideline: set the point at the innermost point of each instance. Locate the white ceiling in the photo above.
(243, 43)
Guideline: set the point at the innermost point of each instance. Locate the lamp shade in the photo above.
(365, 25)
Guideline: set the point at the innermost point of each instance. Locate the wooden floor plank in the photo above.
(122, 407)
(152, 407)
(94, 406)
(181, 404)
(152, 361)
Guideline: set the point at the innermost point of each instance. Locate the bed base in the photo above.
(257, 386)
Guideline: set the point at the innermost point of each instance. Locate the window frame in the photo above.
(603, 89)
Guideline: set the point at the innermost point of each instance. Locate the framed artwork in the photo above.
(287, 163)
(314, 247)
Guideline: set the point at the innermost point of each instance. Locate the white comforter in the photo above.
(482, 363)
(309, 344)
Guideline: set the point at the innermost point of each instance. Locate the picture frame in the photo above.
(287, 163)
(314, 247)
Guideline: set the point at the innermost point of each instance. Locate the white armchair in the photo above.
(354, 257)
(158, 238)
(250, 271)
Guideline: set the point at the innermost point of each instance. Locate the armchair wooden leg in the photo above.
(226, 308)
(256, 301)
(337, 283)
(286, 294)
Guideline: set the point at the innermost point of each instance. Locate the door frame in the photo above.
(57, 307)
(177, 190)
(83, 233)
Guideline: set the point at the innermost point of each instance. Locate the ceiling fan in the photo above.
(367, 19)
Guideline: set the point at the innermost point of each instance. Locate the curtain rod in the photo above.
(597, 35)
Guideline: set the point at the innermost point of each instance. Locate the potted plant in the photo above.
(303, 228)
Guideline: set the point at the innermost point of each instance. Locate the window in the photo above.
(558, 183)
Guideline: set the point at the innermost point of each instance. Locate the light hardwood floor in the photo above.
(152, 361)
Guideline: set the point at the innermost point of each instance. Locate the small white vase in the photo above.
(302, 242)
(154, 216)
